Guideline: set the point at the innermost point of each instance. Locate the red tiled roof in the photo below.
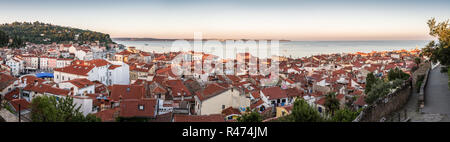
(24, 104)
(255, 94)
(210, 91)
(14, 94)
(31, 79)
(178, 87)
(294, 92)
(81, 67)
(360, 101)
(274, 93)
(198, 118)
(340, 96)
(321, 101)
(233, 78)
(81, 82)
(127, 92)
(98, 62)
(114, 67)
(138, 108)
(258, 103)
(124, 52)
(44, 88)
(75, 69)
(230, 111)
(6, 80)
(67, 45)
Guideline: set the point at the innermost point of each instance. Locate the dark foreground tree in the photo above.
(331, 103)
(303, 112)
(252, 116)
(379, 89)
(438, 51)
(52, 109)
(370, 80)
(4, 39)
(344, 115)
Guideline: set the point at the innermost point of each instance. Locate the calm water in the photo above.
(302, 48)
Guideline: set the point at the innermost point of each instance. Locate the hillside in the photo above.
(38, 32)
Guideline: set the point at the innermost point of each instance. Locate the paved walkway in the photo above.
(437, 93)
(436, 102)
(8, 116)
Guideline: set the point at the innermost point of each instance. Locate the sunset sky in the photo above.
(244, 19)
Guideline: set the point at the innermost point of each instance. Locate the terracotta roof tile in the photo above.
(44, 88)
(127, 92)
(198, 118)
(274, 93)
(138, 108)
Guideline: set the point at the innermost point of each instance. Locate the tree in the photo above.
(331, 103)
(42, 33)
(17, 42)
(417, 60)
(4, 39)
(303, 112)
(53, 109)
(439, 51)
(344, 115)
(250, 116)
(44, 110)
(397, 74)
(370, 79)
(378, 90)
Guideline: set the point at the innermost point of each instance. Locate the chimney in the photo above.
(72, 91)
(35, 82)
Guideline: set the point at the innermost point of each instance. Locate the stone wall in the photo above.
(422, 70)
(421, 95)
(386, 105)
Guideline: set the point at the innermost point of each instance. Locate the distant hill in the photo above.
(38, 32)
(140, 39)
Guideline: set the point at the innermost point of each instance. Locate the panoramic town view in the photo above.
(224, 61)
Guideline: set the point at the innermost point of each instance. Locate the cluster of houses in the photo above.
(130, 83)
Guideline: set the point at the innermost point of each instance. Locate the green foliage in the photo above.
(397, 74)
(331, 103)
(52, 109)
(397, 82)
(252, 116)
(419, 82)
(17, 42)
(444, 69)
(344, 115)
(8, 107)
(417, 60)
(370, 79)
(4, 39)
(378, 90)
(37, 32)
(448, 72)
(302, 112)
(439, 51)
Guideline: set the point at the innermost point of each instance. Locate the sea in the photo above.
(297, 49)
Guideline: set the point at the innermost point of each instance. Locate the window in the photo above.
(223, 106)
(141, 107)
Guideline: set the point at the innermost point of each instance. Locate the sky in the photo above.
(307, 20)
